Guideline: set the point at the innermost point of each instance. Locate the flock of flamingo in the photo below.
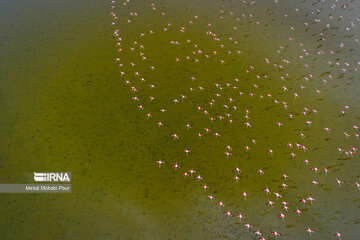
(222, 104)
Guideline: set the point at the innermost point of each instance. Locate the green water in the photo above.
(66, 107)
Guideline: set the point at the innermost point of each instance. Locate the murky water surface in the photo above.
(174, 117)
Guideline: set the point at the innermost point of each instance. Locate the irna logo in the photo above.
(52, 177)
